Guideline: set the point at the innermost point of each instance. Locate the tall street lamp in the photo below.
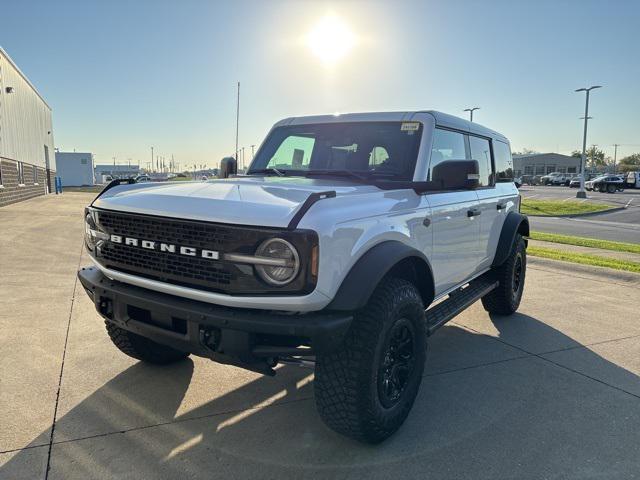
(581, 192)
(470, 110)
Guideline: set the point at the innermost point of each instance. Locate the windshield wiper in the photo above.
(339, 173)
(269, 170)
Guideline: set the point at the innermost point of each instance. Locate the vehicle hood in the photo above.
(263, 201)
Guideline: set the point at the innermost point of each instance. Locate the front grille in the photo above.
(195, 271)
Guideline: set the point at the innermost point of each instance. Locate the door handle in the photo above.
(501, 206)
(474, 212)
(426, 222)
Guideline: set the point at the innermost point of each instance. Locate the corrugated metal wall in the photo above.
(25, 119)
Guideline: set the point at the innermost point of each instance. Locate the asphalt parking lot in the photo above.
(551, 392)
(622, 225)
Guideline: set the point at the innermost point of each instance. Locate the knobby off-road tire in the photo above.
(366, 388)
(142, 348)
(505, 299)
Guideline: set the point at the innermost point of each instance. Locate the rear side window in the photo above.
(481, 152)
(503, 162)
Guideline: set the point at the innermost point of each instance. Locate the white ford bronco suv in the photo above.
(348, 242)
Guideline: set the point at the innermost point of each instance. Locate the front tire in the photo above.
(366, 388)
(505, 298)
(142, 348)
(611, 188)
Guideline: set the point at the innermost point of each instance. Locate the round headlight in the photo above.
(285, 265)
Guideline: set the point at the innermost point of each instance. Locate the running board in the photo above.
(458, 301)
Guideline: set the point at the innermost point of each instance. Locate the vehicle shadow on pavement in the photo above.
(485, 410)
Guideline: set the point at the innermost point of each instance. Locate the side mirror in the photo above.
(456, 174)
(228, 167)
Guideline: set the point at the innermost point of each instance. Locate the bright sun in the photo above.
(331, 39)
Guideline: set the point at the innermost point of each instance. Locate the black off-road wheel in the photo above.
(366, 388)
(142, 348)
(505, 299)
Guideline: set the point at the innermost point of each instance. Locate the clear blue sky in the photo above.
(124, 75)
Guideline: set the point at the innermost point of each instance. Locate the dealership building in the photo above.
(544, 163)
(27, 161)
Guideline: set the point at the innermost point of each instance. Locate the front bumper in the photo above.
(252, 339)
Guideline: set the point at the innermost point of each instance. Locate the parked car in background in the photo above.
(562, 179)
(607, 183)
(632, 180)
(575, 182)
(142, 179)
(548, 178)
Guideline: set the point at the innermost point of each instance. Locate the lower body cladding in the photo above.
(251, 339)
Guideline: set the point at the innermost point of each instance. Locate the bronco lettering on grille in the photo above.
(165, 247)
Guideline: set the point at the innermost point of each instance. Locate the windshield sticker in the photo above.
(409, 126)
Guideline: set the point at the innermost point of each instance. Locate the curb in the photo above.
(576, 215)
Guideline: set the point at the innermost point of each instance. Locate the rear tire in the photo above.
(505, 298)
(142, 348)
(367, 386)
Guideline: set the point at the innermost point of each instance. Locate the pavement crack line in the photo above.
(181, 420)
(64, 354)
(539, 355)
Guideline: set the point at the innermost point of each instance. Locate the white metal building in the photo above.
(27, 163)
(75, 169)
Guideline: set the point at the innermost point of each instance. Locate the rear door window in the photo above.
(481, 152)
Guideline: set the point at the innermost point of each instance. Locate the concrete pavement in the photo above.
(551, 392)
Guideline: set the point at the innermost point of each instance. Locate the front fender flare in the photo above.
(514, 223)
(363, 278)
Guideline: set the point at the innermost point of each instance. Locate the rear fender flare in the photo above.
(514, 223)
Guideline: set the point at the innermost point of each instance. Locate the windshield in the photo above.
(359, 150)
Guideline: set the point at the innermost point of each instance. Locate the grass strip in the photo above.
(558, 207)
(586, 242)
(584, 259)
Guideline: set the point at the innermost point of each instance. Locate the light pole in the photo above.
(581, 192)
(615, 155)
(470, 110)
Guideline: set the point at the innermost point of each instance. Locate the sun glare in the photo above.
(331, 39)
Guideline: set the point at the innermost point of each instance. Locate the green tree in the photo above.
(525, 151)
(630, 163)
(595, 157)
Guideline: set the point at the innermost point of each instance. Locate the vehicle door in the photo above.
(454, 217)
(497, 193)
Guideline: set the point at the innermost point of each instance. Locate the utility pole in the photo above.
(470, 110)
(237, 120)
(581, 191)
(615, 155)
(152, 157)
(252, 151)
